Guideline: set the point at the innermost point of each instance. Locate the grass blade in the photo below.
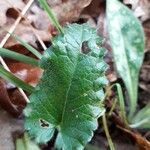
(16, 81)
(51, 15)
(26, 45)
(16, 56)
(121, 101)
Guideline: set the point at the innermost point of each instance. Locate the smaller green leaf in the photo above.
(127, 41)
(142, 118)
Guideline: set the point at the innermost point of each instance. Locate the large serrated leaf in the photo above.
(69, 95)
(127, 41)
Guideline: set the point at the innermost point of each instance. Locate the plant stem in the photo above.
(14, 55)
(111, 145)
(51, 15)
(113, 107)
(133, 100)
(121, 101)
(13, 79)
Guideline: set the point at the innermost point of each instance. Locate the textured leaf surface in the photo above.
(127, 41)
(69, 95)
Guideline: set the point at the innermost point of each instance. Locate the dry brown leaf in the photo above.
(25, 32)
(95, 8)
(102, 31)
(147, 35)
(69, 10)
(28, 73)
(141, 8)
(145, 73)
(38, 18)
(5, 101)
(9, 9)
(5, 5)
(145, 76)
(10, 98)
(66, 11)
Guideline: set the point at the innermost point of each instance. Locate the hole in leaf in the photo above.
(44, 123)
(85, 49)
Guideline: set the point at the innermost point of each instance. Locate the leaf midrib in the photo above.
(129, 75)
(65, 104)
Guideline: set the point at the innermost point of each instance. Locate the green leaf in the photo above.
(68, 98)
(127, 41)
(142, 118)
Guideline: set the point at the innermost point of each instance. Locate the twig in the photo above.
(4, 40)
(142, 142)
(38, 37)
(11, 30)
